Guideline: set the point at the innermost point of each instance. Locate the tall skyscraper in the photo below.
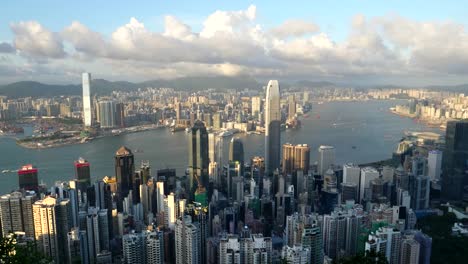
(124, 169)
(410, 250)
(455, 160)
(295, 157)
(87, 105)
(236, 152)
(434, 164)
(198, 160)
(51, 224)
(120, 114)
(249, 248)
(16, 213)
(326, 158)
(27, 178)
(82, 175)
(187, 241)
(107, 112)
(367, 175)
(272, 127)
(291, 106)
(256, 106)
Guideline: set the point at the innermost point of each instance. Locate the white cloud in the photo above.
(32, 39)
(233, 43)
(294, 28)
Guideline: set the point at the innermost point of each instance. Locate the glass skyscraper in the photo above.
(455, 160)
(87, 105)
(272, 127)
(198, 157)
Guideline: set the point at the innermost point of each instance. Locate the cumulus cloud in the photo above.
(233, 43)
(294, 28)
(6, 48)
(32, 39)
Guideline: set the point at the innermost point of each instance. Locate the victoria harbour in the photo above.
(367, 129)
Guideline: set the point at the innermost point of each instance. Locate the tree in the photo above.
(370, 257)
(12, 252)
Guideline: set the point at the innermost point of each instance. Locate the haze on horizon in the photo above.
(358, 42)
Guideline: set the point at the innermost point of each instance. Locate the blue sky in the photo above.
(350, 41)
(333, 15)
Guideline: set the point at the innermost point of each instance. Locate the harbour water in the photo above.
(360, 131)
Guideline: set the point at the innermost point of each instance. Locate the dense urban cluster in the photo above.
(278, 208)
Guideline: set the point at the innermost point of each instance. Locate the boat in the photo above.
(5, 171)
(353, 147)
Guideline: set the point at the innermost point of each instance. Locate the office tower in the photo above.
(311, 238)
(92, 231)
(295, 158)
(434, 164)
(27, 178)
(133, 247)
(291, 106)
(187, 241)
(170, 210)
(248, 248)
(51, 224)
(107, 112)
(82, 175)
(295, 255)
(212, 147)
(124, 169)
(419, 166)
(410, 250)
(326, 158)
(304, 230)
(16, 213)
(178, 110)
(236, 151)
(352, 232)
(73, 246)
(349, 191)
(120, 114)
(367, 175)
(154, 247)
(420, 192)
(218, 120)
(198, 161)
(87, 105)
(256, 106)
(454, 160)
(387, 173)
(272, 127)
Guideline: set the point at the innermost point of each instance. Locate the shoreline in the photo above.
(429, 123)
(76, 140)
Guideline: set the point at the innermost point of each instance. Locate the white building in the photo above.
(295, 255)
(87, 105)
(252, 249)
(367, 175)
(133, 247)
(154, 247)
(326, 158)
(351, 173)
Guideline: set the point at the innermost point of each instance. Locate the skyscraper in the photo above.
(27, 178)
(434, 164)
(272, 127)
(133, 247)
(236, 152)
(295, 157)
(187, 241)
(367, 175)
(326, 158)
(51, 221)
(256, 106)
(198, 159)
(87, 105)
(16, 213)
(124, 169)
(107, 112)
(291, 106)
(410, 250)
(455, 160)
(120, 114)
(82, 174)
(154, 247)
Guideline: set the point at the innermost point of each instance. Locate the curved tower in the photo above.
(272, 126)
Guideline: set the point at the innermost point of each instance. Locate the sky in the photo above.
(355, 42)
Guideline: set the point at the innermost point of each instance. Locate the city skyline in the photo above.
(363, 43)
